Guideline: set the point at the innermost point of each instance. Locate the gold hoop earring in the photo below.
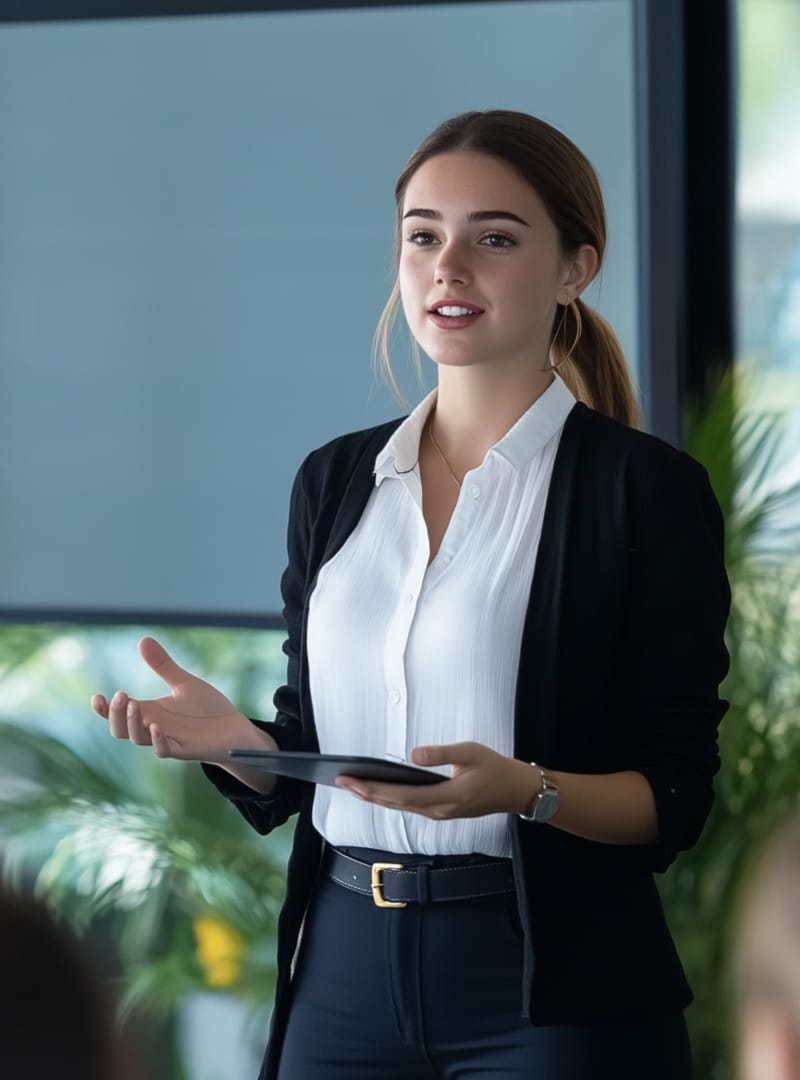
(571, 305)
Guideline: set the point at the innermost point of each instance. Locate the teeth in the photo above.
(448, 309)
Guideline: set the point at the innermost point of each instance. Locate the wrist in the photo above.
(527, 789)
(250, 736)
(263, 739)
(546, 800)
(239, 732)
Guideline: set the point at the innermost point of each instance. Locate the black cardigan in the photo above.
(622, 656)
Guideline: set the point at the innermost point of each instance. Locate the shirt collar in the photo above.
(518, 447)
(401, 453)
(537, 425)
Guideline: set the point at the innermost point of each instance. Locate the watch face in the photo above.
(546, 805)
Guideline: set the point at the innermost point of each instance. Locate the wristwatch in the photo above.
(546, 802)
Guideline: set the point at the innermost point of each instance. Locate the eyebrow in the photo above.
(476, 215)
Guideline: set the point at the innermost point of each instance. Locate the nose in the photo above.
(452, 265)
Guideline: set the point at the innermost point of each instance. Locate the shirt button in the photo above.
(394, 697)
(410, 598)
(475, 491)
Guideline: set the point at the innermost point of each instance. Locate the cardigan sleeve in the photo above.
(674, 654)
(267, 812)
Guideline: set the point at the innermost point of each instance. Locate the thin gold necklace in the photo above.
(441, 454)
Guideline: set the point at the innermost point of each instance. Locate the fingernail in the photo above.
(131, 710)
(117, 698)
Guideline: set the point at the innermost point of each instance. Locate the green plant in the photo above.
(760, 735)
(178, 880)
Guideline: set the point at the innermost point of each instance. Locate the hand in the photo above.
(194, 723)
(482, 782)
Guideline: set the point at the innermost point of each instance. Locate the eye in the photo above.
(498, 240)
(421, 237)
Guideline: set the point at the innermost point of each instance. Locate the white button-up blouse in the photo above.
(404, 654)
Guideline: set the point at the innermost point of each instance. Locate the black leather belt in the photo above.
(391, 884)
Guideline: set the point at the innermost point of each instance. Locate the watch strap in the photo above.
(546, 801)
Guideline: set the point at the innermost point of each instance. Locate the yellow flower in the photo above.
(219, 950)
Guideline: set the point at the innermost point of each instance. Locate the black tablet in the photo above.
(324, 768)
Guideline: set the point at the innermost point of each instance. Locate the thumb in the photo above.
(157, 657)
(463, 753)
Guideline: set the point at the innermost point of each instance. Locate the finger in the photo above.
(100, 705)
(163, 747)
(156, 656)
(137, 732)
(420, 798)
(355, 788)
(117, 718)
(464, 753)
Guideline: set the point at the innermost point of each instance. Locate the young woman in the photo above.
(513, 584)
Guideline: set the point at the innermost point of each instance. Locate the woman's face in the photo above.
(480, 263)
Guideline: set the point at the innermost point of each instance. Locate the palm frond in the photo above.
(21, 641)
(742, 448)
(104, 853)
(112, 856)
(45, 761)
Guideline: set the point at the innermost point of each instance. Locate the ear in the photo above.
(580, 268)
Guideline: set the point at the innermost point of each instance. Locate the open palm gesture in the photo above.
(194, 722)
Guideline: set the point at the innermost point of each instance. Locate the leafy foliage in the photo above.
(147, 847)
(760, 735)
(20, 641)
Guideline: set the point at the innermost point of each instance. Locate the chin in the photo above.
(452, 356)
(455, 362)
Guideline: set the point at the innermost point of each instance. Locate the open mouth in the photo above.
(454, 316)
(454, 311)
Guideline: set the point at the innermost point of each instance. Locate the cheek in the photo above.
(531, 288)
(412, 285)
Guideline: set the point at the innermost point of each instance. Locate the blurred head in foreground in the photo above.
(53, 1019)
(768, 962)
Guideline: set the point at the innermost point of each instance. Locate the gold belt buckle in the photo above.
(376, 884)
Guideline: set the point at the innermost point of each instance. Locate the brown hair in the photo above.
(594, 369)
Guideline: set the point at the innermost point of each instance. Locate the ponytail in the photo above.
(590, 360)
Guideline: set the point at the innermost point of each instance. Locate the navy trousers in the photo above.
(433, 992)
